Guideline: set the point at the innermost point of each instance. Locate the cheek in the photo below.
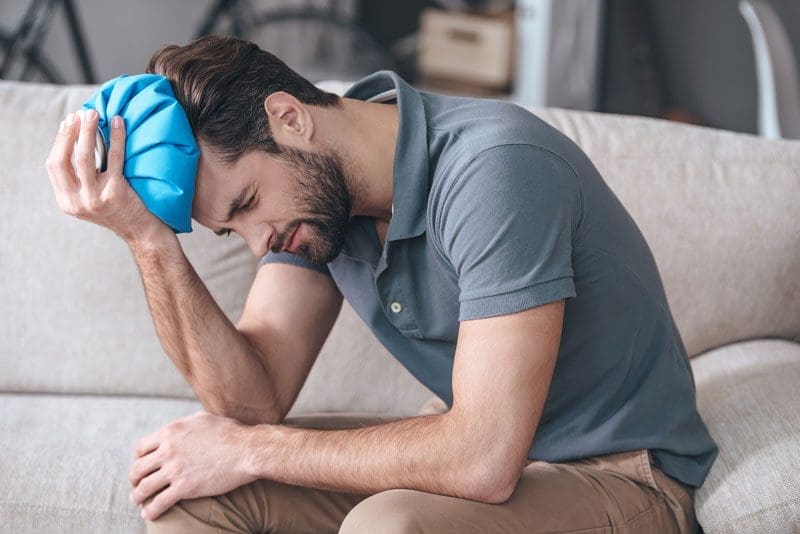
(286, 204)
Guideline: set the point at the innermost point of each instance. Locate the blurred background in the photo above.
(727, 64)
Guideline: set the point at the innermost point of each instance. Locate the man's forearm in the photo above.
(428, 453)
(216, 359)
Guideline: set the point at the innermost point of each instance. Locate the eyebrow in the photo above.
(234, 206)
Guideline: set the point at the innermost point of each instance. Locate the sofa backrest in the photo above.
(79, 321)
(721, 213)
(75, 317)
(719, 210)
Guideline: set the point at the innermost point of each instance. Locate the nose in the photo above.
(257, 240)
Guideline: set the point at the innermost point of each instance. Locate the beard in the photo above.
(321, 191)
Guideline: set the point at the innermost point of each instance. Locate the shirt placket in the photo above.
(394, 297)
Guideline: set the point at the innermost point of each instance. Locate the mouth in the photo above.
(291, 245)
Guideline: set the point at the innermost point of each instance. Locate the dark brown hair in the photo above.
(222, 81)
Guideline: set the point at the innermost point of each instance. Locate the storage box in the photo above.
(467, 48)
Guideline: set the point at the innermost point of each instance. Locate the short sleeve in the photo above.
(292, 259)
(506, 224)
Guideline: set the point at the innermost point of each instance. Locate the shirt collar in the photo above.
(410, 182)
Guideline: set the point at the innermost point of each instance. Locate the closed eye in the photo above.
(249, 204)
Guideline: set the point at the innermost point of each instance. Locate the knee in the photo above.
(389, 512)
(243, 509)
(190, 515)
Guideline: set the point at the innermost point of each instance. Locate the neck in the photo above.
(364, 134)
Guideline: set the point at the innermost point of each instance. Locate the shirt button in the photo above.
(396, 307)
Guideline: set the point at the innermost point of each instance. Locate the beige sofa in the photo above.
(82, 374)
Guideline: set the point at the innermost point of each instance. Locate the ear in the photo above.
(289, 118)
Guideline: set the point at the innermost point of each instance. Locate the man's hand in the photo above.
(195, 456)
(102, 198)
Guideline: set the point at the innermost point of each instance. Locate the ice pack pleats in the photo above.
(161, 153)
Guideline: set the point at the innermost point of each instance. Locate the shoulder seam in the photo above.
(579, 226)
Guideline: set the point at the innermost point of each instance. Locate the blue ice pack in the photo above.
(161, 153)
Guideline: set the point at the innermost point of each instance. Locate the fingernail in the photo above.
(70, 119)
(80, 114)
(61, 127)
(91, 115)
(116, 121)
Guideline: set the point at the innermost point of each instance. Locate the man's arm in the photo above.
(502, 372)
(477, 450)
(253, 374)
(233, 373)
(216, 360)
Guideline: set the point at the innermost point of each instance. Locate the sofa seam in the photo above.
(771, 507)
(60, 509)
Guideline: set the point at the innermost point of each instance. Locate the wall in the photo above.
(704, 45)
(121, 35)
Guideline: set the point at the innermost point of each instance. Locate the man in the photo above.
(482, 248)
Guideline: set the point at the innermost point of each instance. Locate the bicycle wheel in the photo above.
(28, 66)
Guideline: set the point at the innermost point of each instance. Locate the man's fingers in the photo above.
(149, 485)
(116, 152)
(161, 503)
(84, 152)
(59, 162)
(55, 181)
(145, 445)
(142, 467)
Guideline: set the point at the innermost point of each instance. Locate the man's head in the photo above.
(262, 172)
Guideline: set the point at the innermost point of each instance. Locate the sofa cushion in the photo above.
(65, 460)
(748, 395)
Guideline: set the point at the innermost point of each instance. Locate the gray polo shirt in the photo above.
(495, 212)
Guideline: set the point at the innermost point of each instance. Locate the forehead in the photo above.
(216, 184)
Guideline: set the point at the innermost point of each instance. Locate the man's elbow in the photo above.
(492, 482)
(246, 414)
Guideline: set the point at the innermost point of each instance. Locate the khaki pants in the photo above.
(620, 492)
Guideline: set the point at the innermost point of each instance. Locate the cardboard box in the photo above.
(466, 48)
